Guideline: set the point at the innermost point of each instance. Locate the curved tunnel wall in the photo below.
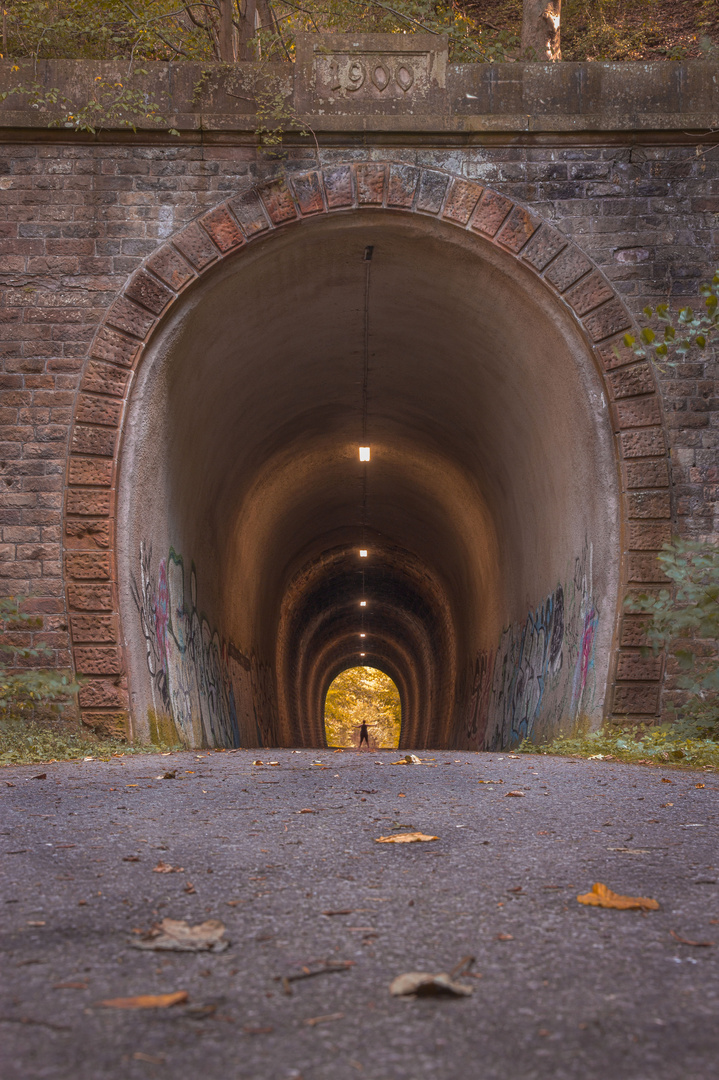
(492, 496)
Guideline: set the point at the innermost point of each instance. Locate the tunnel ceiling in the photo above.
(489, 467)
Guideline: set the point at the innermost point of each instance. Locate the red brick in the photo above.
(308, 193)
(147, 291)
(95, 472)
(223, 229)
(86, 532)
(519, 227)
(461, 201)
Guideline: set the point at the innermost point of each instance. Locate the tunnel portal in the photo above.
(489, 510)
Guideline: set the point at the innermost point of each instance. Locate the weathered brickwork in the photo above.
(97, 240)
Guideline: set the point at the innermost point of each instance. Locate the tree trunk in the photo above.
(226, 34)
(540, 29)
(247, 30)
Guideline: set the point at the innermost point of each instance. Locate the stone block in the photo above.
(113, 725)
(647, 443)
(84, 532)
(103, 694)
(223, 229)
(370, 184)
(98, 410)
(170, 267)
(338, 188)
(634, 631)
(636, 665)
(638, 698)
(308, 193)
(101, 378)
(649, 504)
(114, 347)
(432, 190)
(134, 320)
(461, 201)
(97, 660)
(643, 567)
(615, 354)
(589, 293)
(89, 501)
(94, 628)
(89, 565)
(544, 245)
(490, 213)
(402, 185)
(89, 597)
(93, 440)
(647, 473)
(278, 202)
(570, 265)
(631, 381)
(648, 536)
(250, 213)
(148, 292)
(519, 227)
(638, 412)
(194, 243)
(606, 320)
(93, 472)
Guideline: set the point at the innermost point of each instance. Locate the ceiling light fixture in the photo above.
(363, 553)
(364, 453)
(363, 603)
(363, 635)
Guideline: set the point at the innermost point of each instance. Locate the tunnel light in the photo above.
(363, 635)
(363, 603)
(364, 453)
(363, 654)
(363, 553)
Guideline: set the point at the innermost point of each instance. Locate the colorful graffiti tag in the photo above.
(195, 677)
(541, 674)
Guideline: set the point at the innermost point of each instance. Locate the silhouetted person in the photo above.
(364, 736)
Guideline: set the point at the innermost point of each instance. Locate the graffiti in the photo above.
(191, 670)
(542, 674)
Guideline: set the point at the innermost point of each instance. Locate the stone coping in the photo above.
(388, 83)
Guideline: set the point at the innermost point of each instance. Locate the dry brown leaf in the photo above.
(404, 838)
(176, 935)
(423, 984)
(601, 896)
(514, 795)
(70, 986)
(688, 941)
(147, 1001)
(165, 868)
(313, 1020)
(408, 759)
(505, 937)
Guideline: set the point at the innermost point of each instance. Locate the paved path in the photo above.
(576, 992)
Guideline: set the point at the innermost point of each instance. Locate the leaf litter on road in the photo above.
(405, 838)
(424, 984)
(146, 1001)
(601, 896)
(176, 935)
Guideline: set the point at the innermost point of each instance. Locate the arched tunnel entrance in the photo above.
(489, 509)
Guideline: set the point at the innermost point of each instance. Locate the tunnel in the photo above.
(488, 510)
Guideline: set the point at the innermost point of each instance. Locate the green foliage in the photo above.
(654, 746)
(25, 686)
(686, 620)
(676, 333)
(28, 743)
(362, 695)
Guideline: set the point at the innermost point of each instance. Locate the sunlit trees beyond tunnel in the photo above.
(363, 695)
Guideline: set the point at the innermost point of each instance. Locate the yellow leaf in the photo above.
(147, 1001)
(404, 838)
(601, 896)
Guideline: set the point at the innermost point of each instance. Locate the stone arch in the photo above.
(570, 279)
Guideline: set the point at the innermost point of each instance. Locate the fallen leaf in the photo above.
(167, 775)
(70, 986)
(306, 811)
(258, 762)
(165, 868)
(700, 785)
(505, 937)
(686, 941)
(666, 780)
(130, 858)
(423, 984)
(40, 776)
(189, 888)
(314, 1020)
(146, 1001)
(342, 911)
(36, 922)
(404, 838)
(176, 935)
(664, 805)
(514, 795)
(601, 896)
(249, 1030)
(273, 763)
(408, 759)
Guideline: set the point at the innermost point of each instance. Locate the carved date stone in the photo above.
(389, 73)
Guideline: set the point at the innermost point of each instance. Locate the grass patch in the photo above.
(25, 742)
(654, 746)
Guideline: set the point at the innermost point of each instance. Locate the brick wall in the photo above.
(76, 219)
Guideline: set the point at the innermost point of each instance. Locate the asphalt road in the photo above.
(560, 990)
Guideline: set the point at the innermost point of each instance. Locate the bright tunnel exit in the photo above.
(363, 696)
